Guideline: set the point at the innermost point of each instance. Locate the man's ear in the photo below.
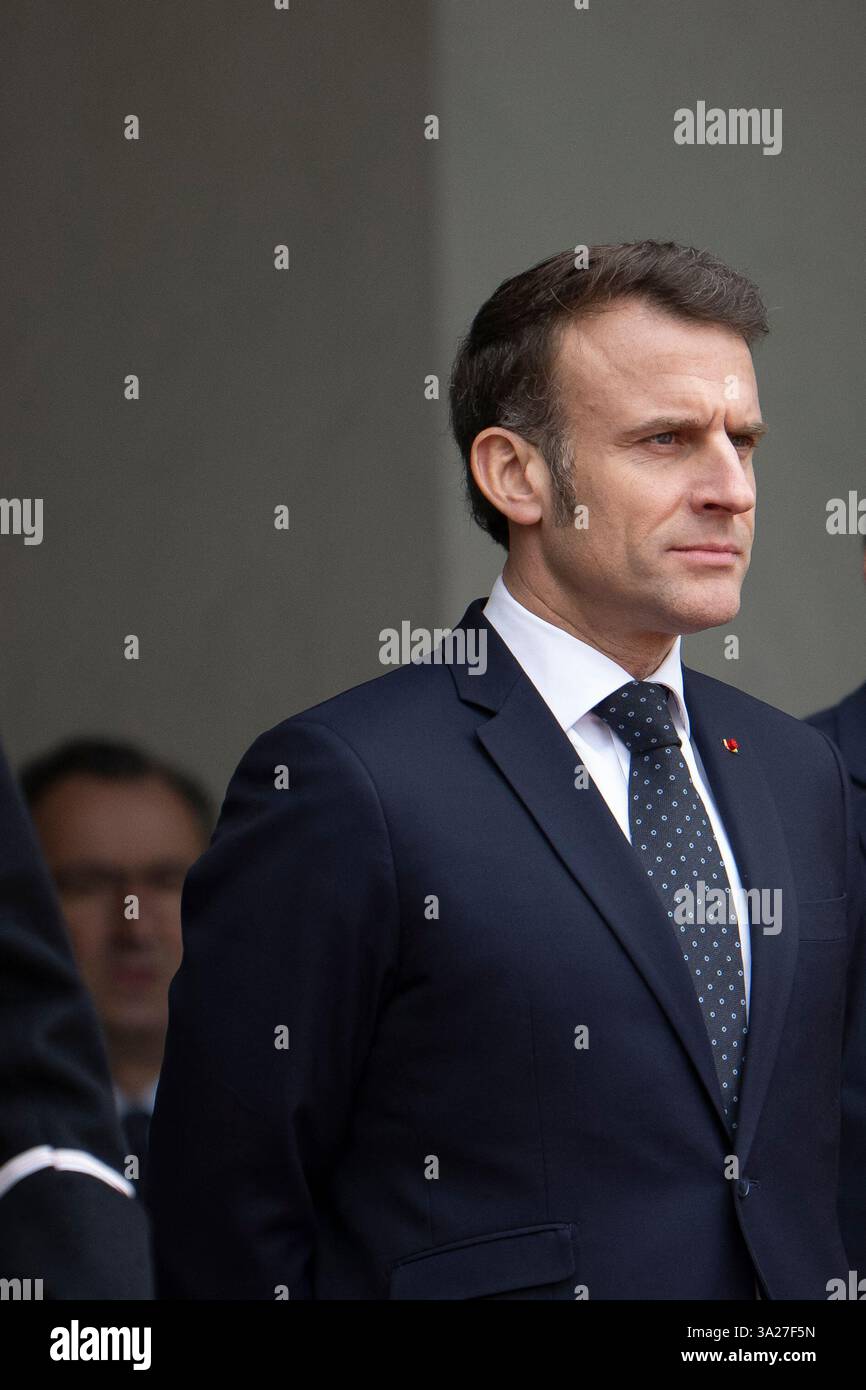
(511, 474)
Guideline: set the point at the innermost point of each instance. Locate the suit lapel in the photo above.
(538, 760)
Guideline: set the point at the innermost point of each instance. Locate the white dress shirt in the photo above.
(571, 677)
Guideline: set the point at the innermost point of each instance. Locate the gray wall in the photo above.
(257, 387)
(306, 387)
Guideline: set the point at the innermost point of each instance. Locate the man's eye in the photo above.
(739, 441)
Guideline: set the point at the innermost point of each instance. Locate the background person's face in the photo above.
(104, 840)
(660, 412)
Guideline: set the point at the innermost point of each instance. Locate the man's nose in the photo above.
(134, 915)
(727, 481)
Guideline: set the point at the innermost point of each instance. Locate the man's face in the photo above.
(103, 841)
(661, 416)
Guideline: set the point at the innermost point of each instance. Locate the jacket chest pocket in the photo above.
(824, 920)
(531, 1262)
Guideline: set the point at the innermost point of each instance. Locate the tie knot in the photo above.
(638, 714)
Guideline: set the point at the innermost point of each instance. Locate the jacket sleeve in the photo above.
(290, 942)
(67, 1214)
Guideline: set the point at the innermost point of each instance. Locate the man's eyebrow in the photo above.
(662, 424)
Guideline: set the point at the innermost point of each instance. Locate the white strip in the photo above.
(64, 1161)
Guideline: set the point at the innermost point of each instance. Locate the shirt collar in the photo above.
(145, 1101)
(570, 675)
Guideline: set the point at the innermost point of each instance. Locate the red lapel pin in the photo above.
(731, 745)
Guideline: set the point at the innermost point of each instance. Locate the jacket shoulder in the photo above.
(404, 699)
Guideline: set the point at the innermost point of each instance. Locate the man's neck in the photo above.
(134, 1074)
(639, 653)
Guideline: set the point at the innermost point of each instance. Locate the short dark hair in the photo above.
(505, 369)
(114, 761)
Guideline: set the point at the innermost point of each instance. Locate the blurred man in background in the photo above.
(119, 830)
(70, 1226)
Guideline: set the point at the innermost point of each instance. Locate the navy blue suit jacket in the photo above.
(432, 909)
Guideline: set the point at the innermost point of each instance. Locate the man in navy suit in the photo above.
(533, 970)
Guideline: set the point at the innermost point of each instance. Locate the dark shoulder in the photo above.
(412, 699)
(828, 720)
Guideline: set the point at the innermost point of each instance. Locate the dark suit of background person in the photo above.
(453, 1037)
(67, 1215)
(845, 724)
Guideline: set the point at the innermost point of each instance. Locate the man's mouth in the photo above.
(710, 552)
(134, 974)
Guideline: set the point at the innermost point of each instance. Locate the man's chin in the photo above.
(700, 617)
(701, 606)
(136, 1020)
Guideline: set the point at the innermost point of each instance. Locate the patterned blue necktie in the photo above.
(672, 835)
